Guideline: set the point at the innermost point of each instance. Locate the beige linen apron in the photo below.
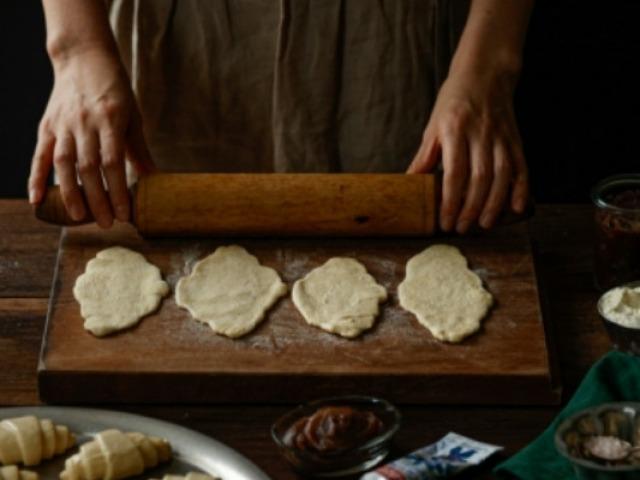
(286, 85)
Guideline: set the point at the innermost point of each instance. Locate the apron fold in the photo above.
(287, 85)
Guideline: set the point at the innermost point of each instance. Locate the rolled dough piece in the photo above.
(444, 294)
(339, 297)
(230, 291)
(117, 289)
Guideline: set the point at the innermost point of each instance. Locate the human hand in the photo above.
(473, 131)
(89, 124)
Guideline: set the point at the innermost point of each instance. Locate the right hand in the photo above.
(89, 124)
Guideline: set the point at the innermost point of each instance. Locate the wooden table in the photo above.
(562, 235)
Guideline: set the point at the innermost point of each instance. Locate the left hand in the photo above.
(473, 131)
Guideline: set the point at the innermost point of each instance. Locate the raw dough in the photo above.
(113, 455)
(29, 440)
(117, 289)
(444, 294)
(12, 472)
(339, 297)
(230, 291)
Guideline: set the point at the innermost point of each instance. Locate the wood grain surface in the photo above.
(28, 250)
(562, 233)
(285, 359)
(307, 204)
(347, 204)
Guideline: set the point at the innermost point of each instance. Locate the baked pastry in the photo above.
(11, 472)
(114, 455)
(29, 440)
(190, 476)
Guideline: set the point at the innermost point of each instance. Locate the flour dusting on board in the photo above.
(8, 265)
(295, 265)
(283, 329)
(182, 262)
(483, 273)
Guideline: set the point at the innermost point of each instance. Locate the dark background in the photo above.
(578, 101)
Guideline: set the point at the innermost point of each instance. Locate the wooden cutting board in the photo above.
(170, 357)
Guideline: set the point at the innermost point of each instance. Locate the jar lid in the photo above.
(603, 191)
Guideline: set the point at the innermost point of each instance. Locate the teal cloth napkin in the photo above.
(613, 378)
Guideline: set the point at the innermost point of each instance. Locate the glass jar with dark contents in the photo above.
(337, 436)
(617, 218)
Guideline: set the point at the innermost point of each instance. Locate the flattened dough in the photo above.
(444, 294)
(339, 297)
(230, 291)
(117, 289)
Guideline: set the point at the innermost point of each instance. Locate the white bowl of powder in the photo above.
(620, 311)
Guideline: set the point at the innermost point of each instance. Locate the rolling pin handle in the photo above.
(52, 210)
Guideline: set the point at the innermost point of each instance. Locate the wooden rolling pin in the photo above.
(278, 204)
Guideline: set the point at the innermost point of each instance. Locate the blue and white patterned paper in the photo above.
(445, 458)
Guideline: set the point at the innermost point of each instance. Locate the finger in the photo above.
(500, 186)
(89, 169)
(520, 190)
(64, 159)
(455, 160)
(427, 157)
(111, 152)
(137, 150)
(41, 166)
(479, 185)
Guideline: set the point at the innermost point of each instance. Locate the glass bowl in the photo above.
(625, 339)
(617, 230)
(344, 462)
(618, 419)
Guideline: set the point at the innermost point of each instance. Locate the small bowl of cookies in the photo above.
(602, 442)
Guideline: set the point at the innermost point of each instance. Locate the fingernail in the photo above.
(446, 223)
(32, 195)
(485, 221)
(520, 204)
(105, 222)
(77, 212)
(463, 226)
(122, 213)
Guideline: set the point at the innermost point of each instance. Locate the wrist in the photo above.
(494, 59)
(63, 50)
(491, 44)
(499, 68)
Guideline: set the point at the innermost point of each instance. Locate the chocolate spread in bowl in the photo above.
(333, 429)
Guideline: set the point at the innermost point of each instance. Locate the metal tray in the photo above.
(192, 451)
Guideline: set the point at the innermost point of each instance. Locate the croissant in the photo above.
(29, 440)
(11, 472)
(190, 476)
(113, 455)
